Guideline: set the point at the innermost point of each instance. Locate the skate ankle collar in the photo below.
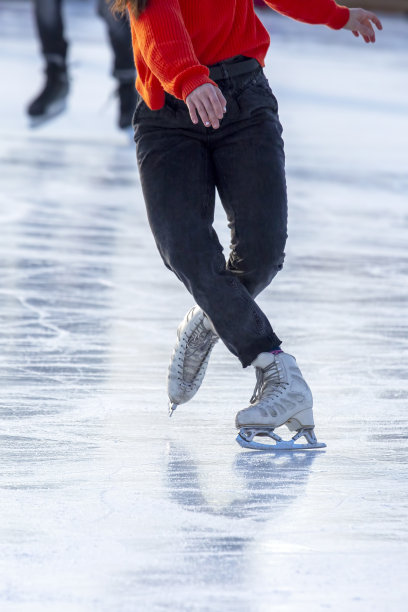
(263, 360)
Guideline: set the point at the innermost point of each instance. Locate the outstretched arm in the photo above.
(324, 12)
(328, 12)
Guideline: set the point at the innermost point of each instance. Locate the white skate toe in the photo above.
(195, 340)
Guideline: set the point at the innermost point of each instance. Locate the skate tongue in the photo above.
(263, 360)
(208, 325)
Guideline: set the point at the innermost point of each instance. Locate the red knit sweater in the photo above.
(175, 40)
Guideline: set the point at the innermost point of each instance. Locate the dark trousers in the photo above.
(181, 165)
(50, 27)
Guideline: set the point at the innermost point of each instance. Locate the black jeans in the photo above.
(181, 165)
(50, 27)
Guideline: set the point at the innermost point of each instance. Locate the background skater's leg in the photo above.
(123, 65)
(52, 98)
(50, 28)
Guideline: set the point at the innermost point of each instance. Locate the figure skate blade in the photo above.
(281, 445)
(172, 407)
(55, 109)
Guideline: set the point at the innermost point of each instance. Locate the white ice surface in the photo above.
(106, 504)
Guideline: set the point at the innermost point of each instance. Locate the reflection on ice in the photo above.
(276, 479)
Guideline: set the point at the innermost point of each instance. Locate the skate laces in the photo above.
(270, 374)
(196, 351)
(199, 339)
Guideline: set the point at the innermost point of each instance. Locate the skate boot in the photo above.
(281, 397)
(127, 104)
(52, 99)
(196, 338)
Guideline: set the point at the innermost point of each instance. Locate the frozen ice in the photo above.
(106, 503)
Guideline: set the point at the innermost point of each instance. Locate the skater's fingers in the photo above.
(205, 100)
(375, 20)
(192, 104)
(193, 111)
(202, 111)
(217, 107)
(212, 106)
(221, 99)
(211, 112)
(367, 32)
(356, 34)
(371, 31)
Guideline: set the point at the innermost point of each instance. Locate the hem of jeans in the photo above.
(261, 346)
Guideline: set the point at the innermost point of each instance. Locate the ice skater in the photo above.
(50, 27)
(207, 120)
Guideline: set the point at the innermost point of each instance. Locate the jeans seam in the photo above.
(251, 78)
(206, 202)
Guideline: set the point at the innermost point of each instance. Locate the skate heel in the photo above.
(301, 420)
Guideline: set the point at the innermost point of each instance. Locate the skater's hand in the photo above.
(208, 101)
(360, 23)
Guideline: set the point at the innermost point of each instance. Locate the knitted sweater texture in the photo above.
(174, 41)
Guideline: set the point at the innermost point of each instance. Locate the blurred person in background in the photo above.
(206, 119)
(50, 27)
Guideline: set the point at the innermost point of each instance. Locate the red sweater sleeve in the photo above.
(167, 48)
(324, 12)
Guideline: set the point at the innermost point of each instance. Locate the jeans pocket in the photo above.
(145, 115)
(139, 104)
(258, 93)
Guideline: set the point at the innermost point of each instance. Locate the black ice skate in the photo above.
(127, 104)
(53, 97)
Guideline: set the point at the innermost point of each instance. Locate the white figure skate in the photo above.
(196, 338)
(281, 397)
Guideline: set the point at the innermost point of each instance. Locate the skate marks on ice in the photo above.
(58, 279)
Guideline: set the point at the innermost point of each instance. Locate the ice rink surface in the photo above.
(106, 504)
